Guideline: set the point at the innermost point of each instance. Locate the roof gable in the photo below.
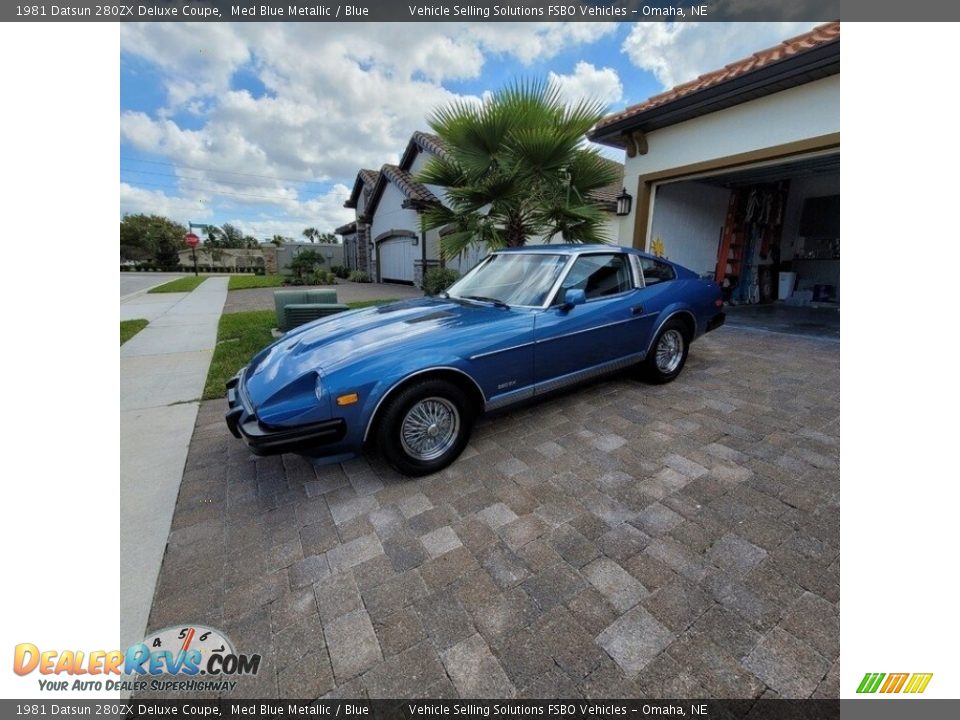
(417, 195)
(421, 142)
(364, 183)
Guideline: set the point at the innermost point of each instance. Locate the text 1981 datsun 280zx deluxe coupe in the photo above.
(412, 376)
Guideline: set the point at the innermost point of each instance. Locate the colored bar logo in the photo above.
(894, 683)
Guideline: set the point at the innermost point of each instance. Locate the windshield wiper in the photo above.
(481, 298)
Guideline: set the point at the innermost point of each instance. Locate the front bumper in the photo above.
(266, 440)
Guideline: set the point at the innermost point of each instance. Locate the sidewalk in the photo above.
(162, 373)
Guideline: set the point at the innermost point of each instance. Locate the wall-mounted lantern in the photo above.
(624, 203)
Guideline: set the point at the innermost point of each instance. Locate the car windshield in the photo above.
(511, 278)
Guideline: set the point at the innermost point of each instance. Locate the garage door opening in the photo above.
(397, 256)
(769, 234)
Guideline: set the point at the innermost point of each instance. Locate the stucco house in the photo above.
(736, 174)
(386, 240)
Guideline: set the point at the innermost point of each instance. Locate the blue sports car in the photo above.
(411, 377)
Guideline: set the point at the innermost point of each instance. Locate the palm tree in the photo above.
(516, 167)
(311, 234)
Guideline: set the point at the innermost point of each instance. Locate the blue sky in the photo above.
(265, 125)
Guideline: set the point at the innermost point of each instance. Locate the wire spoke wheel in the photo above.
(430, 428)
(669, 351)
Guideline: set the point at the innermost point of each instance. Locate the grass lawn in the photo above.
(129, 328)
(184, 284)
(240, 337)
(250, 282)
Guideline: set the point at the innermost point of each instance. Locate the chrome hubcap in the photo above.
(430, 428)
(669, 351)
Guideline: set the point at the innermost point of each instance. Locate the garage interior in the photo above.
(769, 234)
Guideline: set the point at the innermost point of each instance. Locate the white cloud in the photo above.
(334, 98)
(678, 52)
(198, 59)
(156, 202)
(529, 42)
(588, 82)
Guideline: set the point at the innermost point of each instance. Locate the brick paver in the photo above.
(619, 540)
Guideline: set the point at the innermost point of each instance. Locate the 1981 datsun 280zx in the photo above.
(412, 376)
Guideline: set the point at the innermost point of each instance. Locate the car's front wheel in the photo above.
(425, 427)
(668, 354)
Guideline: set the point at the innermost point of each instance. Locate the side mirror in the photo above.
(573, 297)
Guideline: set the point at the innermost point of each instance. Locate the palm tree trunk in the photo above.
(514, 232)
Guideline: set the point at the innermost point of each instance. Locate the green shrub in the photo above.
(306, 263)
(340, 271)
(436, 280)
(324, 277)
(359, 276)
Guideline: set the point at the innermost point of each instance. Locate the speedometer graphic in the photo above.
(178, 639)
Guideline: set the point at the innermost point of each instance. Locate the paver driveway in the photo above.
(621, 540)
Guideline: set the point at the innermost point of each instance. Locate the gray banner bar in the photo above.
(477, 10)
(434, 11)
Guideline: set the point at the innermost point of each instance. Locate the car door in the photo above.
(571, 340)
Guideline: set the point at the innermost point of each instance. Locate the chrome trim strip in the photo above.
(573, 378)
(638, 278)
(393, 387)
(501, 350)
(591, 329)
(509, 398)
(581, 375)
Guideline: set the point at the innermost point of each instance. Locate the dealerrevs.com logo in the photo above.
(178, 654)
(910, 683)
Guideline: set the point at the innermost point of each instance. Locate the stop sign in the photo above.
(191, 240)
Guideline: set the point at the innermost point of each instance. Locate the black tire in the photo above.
(436, 399)
(668, 367)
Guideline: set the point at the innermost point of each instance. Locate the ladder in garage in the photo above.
(730, 242)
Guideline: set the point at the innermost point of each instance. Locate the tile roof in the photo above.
(819, 36)
(414, 192)
(422, 141)
(369, 177)
(411, 189)
(365, 181)
(608, 194)
(430, 142)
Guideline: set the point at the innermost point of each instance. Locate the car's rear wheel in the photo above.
(668, 354)
(425, 427)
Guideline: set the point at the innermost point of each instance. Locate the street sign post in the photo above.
(192, 241)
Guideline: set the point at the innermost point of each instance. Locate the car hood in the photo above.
(338, 340)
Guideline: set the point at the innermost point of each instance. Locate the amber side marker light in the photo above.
(348, 399)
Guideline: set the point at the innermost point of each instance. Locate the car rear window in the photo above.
(656, 271)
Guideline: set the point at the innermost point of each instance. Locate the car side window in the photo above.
(656, 271)
(599, 275)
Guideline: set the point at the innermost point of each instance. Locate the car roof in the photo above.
(571, 249)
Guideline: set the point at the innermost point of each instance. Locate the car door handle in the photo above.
(636, 309)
